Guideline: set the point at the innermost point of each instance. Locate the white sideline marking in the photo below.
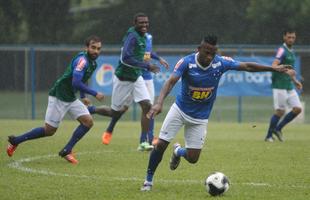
(18, 164)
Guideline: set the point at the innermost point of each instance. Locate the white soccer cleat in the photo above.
(145, 146)
(269, 139)
(147, 186)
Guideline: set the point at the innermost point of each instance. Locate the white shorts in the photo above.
(150, 88)
(124, 92)
(195, 130)
(283, 98)
(56, 110)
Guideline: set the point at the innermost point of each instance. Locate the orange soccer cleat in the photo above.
(71, 159)
(68, 156)
(106, 137)
(11, 147)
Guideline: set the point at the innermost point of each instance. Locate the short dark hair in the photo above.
(92, 38)
(140, 14)
(210, 39)
(288, 30)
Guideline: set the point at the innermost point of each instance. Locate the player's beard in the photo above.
(93, 56)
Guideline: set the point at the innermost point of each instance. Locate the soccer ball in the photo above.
(217, 183)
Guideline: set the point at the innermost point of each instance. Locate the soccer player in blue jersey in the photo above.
(283, 89)
(149, 83)
(62, 100)
(200, 73)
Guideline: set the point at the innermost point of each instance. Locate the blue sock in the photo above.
(143, 137)
(155, 158)
(150, 133)
(33, 134)
(273, 124)
(289, 117)
(91, 109)
(181, 152)
(112, 124)
(79, 132)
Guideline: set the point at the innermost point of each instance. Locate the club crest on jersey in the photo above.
(215, 65)
(81, 64)
(200, 94)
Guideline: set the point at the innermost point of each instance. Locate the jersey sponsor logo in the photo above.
(178, 65)
(280, 52)
(81, 64)
(191, 65)
(200, 94)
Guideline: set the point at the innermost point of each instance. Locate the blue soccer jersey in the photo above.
(199, 84)
(148, 55)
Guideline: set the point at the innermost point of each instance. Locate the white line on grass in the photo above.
(18, 164)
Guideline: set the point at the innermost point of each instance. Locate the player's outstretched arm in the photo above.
(157, 107)
(256, 67)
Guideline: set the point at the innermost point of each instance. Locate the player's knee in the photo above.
(145, 106)
(296, 110)
(279, 112)
(49, 130)
(86, 120)
(88, 123)
(192, 156)
(161, 145)
(193, 159)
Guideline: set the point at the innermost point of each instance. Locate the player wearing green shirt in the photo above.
(62, 100)
(128, 84)
(283, 90)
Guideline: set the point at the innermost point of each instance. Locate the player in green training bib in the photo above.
(128, 84)
(62, 100)
(283, 89)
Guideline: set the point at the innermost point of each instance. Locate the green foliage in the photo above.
(10, 21)
(172, 21)
(275, 16)
(257, 170)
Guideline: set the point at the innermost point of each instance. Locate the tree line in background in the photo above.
(171, 21)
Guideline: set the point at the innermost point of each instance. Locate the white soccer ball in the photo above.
(217, 183)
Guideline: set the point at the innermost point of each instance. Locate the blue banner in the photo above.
(232, 83)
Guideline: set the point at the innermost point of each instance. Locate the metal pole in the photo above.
(33, 83)
(26, 84)
(239, 109)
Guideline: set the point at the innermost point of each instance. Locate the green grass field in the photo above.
(17, 105)
(257, 170)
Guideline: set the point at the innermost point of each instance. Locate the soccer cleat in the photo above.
(279, 135)
(11, 147)
(68, 156)
(269, 139)
(175, 160)
(106, 137)
(147, 186)
(145, 146)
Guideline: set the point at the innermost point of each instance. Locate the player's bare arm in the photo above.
(154, 68)
(157, 107)
(255, 67)
(164, 62)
